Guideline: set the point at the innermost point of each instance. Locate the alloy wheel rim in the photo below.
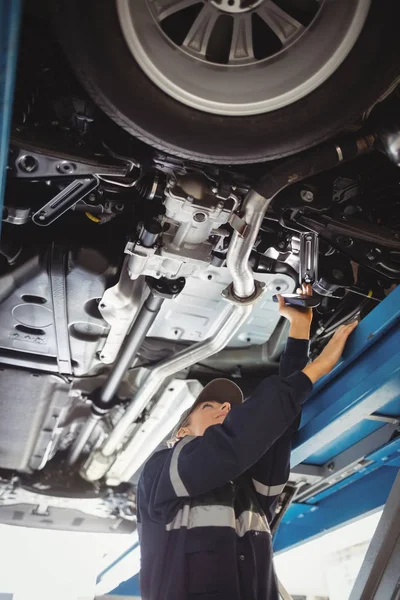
(240, 57)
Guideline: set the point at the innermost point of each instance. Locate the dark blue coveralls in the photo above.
(204, 506)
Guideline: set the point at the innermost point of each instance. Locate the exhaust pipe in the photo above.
(234, 318)
(258, 200)
(100, 461)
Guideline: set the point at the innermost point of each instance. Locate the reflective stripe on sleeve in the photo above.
(177, 483)
(268, 490)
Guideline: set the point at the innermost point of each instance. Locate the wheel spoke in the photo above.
(166, 8)
(242, 39)
(200, 32)
(282, 24)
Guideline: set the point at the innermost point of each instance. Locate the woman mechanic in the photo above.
(205, 504)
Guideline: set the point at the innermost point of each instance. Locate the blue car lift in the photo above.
(348, 444)
(10, 15)
(345, 437)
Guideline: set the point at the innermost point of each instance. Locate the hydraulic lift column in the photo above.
(379, 576)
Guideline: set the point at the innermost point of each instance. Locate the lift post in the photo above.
(10, 17)
(348, 443)
(379, 576)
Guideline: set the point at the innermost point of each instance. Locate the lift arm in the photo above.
(347, 448)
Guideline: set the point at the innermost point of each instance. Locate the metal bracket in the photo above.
(321, 477)
(391, 420)
(352, 228)
(41, 510)
(59, 299)
(239, 225)
(166, 288)
(31, 161)
(16, 215)
(308, 257)
(65, 200)
(350, 240)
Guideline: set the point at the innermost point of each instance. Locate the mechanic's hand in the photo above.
(331, 354)
(299, 317)
(298, 314)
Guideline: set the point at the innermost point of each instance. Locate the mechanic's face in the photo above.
(205, 415)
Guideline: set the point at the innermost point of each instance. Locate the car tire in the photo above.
(92, 38)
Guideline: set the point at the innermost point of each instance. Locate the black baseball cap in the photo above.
(219, 390)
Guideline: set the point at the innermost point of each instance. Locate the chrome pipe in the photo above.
(236, 315)
(254, 357)
(130, 346)
(240, 248)
(82, 439)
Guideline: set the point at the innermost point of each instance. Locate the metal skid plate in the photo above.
(197, 312)
(28, 413)
(26, 506)
(32, 332)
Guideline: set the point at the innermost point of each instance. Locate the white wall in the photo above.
(344, 566)
(48, 565)
(328, 565)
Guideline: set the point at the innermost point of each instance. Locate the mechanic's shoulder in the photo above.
(156, 460)
(159, 459)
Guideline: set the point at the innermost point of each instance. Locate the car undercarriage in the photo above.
(131, 276)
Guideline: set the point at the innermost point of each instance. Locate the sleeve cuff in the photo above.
(302, 384)
(297, 346)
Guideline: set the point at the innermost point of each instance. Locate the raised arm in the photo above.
(271, 472)
(200, 464)
(295, 356)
